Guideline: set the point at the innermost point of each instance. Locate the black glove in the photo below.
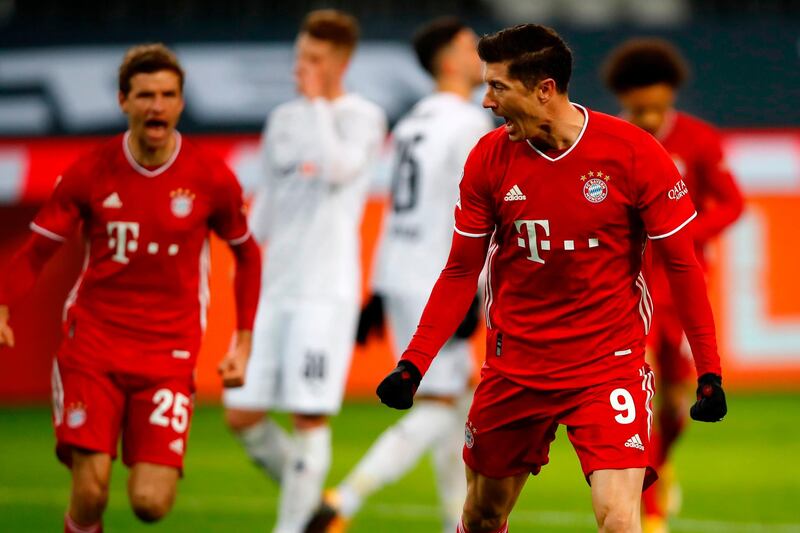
(710, 405)
(398, 388)
(470, 322)
(372, 320)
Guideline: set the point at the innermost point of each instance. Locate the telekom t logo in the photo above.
(533, 243)
(118, 239)
(536, 231)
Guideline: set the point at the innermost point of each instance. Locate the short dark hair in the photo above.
(534, 53)
(643, 62)
(147, 58)
(431, 38)
(334, 26)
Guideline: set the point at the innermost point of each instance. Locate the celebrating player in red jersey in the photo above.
(645, 75)
(146, 201)
(559, 203)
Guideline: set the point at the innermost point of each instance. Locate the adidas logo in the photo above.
(515, 194)
(635, 442)
(113, 201)
(177, 446)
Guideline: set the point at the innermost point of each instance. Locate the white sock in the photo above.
(451, 479)
(268, 446)
(395, 452)
(303, 478)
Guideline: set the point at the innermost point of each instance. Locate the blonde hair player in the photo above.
(319, 151)
(431, 144)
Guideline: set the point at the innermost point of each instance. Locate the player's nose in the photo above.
(488, 101)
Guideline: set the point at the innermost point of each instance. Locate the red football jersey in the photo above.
(143, 292)
(566, 303)
(696, 149)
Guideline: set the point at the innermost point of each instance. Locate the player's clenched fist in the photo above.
(398, 388)
(710, 405)
(233, 367)
(6, 333)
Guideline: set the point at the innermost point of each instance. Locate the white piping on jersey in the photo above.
(645, 303)
(142, 170)
(623, 352)
(203, 289)
(488, 296)
(240, 240)
(465, 234)
(73, 293)
(571, 148)
(676, 230)
(46, 232)
(58, 394)
(647, 386)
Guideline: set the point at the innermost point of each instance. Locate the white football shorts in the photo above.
(300, 359)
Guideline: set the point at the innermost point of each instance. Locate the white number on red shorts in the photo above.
(626, 405)
(164, 399)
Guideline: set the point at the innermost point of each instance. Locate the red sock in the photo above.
(70, 526)
(463, 529)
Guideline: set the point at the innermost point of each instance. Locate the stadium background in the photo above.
(58, 97)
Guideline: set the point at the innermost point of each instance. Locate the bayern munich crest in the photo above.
(182, 202)
(76, 415)
(595, 188)
(469, 436)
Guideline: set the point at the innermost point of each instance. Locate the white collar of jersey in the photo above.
(144, 171)
(571, 148)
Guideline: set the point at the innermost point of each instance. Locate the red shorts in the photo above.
(510, 427)
(92, 406)
(672, 356)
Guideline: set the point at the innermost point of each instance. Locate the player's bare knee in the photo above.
(618, 521)
(308, 421)
(150, 504)
(479, 518)
(90, 495)
(238, 420)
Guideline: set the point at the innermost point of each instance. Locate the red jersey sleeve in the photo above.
(473, 214)
(722, 201)
(662, 199)
(228, 218)
(61, 214)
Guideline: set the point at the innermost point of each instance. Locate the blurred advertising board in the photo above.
(754, 281)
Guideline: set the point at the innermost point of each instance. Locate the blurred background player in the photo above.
(318, 153)
(146, 200)
(559, 203)
(430, 145)
(645, 75)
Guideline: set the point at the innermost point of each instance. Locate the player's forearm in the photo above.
(244, 340)
(449, 300)
(343, 160)
(688, 286)
(25, 267)
(247, 282)
(726, 207)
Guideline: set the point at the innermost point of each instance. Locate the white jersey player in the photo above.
(319, 153)
(431, 144)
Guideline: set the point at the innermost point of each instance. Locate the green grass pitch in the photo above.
(742, 475)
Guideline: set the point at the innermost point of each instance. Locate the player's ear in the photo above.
(545, 90)
(122, 98)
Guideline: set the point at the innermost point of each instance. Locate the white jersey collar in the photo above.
(571, 148)
(143, 170)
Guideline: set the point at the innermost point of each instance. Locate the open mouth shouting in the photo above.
(156, 127)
